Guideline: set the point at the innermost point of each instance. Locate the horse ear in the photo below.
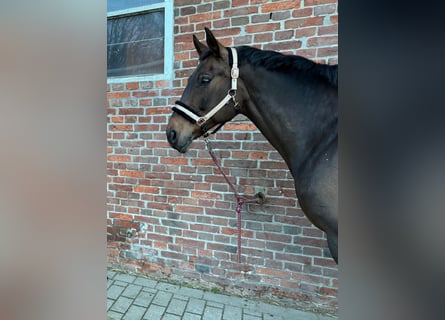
(213, 44)
(200, 47)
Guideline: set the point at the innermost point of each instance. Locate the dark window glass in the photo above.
(135, 44)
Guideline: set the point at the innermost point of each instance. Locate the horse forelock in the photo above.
(205, 55)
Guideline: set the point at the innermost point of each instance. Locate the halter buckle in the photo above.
(234, 72)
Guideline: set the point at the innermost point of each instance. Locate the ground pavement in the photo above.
(132, 297)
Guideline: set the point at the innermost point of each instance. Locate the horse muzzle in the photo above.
(179, 142)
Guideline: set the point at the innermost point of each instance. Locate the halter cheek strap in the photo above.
(188, 113)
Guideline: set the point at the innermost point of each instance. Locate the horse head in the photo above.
(210, 97)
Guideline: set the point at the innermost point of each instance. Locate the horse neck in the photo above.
(293, 114)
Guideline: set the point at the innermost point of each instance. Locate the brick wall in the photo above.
(172, 215)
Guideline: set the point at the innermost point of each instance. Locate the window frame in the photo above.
(167, 6)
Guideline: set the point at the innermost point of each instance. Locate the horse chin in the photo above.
(183, 149)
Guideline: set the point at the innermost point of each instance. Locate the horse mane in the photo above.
(288, 64)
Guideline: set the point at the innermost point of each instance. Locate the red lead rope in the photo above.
(240, 200)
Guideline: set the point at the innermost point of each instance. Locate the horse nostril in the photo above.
(172, 136)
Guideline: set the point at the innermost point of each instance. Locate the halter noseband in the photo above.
(188, 113)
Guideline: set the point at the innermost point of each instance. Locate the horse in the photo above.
(291, 100)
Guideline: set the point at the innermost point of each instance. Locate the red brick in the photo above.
(179, 3)
(222, 23)
(158, 110)
(132, 85)
(119, 158)
(178, 161)
(131, 111)
(322, 41)
(204, 227)
(146, 189)
(328, 30)
(190, 243)
(206, 195)
(272, 272)
(145, 102)
(202, 162)
(304, 22)
(118, 95)
(324, 262)
(117, 119)
(162, 83)
(142, 94)
(135, 174)
(305, 32)
(121, 127)
(263, 37)
(239, 3)
(208, 16)
(281, 46)
(232, 231)
(240, 126)
(308, 3)
(290, 284)
(305, 12)
(328, 291)
(189, 209)
(262, 27)
(281, 5)
(120, 216)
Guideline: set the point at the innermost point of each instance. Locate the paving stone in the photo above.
(109, 303)
(211, 313)
(224, 299)
(215, 304)
(168, 287)
(288, 313)
(180, 297)
(134, 313)
(267, 316)
(154, 312)
(162, 298)
(145, 282)
(214, 297)
(196, 306)
(132, 297)
(144, 298)
(253, 312)
(250, 317)
(111, 315)
(169, 316)
(120, 283)
(190, 292)
(177, 307)
(121, 304)
(232, 313)
(125, 277)
(191, 316)
(132, 291)
(114, 291)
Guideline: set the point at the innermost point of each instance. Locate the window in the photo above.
(139, 39)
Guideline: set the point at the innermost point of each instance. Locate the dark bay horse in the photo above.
(292, 101)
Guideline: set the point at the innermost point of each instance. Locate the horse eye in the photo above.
(205, 80)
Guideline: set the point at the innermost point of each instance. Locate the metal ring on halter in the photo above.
(201, 121)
